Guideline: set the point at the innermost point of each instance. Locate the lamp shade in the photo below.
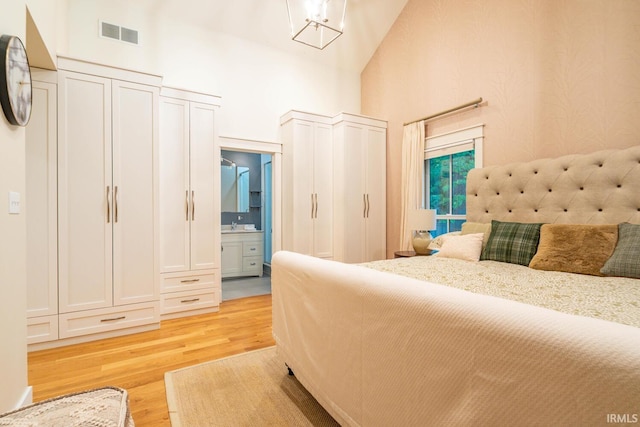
(422, 219)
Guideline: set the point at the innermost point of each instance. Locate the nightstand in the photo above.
(408, 254)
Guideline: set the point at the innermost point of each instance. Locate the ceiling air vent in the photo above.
(116, 32)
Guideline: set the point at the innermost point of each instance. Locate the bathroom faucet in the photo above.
(233, 225)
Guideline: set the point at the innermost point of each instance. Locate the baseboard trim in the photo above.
(26, 398)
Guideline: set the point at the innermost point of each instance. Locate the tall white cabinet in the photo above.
(189, 203)
(122, 203)
(107, 198)
(307, 184)
(334, 186)
(42, 210)
(360, 188)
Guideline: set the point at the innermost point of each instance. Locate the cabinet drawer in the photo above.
(185, 281)
(252, 264)
(252, 248)
(41, 329)
(108, 319)
(186, 301)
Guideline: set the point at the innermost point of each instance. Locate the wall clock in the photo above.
(15, 81)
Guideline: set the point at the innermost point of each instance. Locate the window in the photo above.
(448, 159)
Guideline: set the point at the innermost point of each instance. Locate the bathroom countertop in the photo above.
(240, 228)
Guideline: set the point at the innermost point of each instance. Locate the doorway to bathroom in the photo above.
(247, 218)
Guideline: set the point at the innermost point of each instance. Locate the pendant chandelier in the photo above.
(316, 23)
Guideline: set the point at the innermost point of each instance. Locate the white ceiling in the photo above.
(266, 22)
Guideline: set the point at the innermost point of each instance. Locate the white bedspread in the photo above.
(378, 349)
(616, 299)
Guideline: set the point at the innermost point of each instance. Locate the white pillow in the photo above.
(467, 247)
(437, 242)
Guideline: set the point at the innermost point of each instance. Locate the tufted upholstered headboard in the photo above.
(597, 188)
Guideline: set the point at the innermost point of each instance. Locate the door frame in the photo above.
(264, 147)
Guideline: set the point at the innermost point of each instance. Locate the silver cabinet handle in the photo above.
(113, 319)
(108, 204)
(193, 205)
(368, 205)
(190, 300)
(315, 215)
(364, 205)
(115, 203)
(186, 205)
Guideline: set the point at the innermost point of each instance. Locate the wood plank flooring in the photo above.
(138, 362)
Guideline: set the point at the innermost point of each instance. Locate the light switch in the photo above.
(14, 202)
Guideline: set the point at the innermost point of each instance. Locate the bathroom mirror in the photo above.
(235, 188)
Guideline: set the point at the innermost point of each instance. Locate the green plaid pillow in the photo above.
(625, 260)
(512, 242)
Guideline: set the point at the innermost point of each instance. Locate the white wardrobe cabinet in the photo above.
(41, 210)
(360, 188)
(307, 184)
(189, 203)
(334, 186)
(107, 198)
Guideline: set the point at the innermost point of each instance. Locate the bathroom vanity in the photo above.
(242, 251)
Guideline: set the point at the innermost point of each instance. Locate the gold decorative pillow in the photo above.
(477, 227)
(575, 248)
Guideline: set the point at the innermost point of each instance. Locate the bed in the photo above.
(426, 341)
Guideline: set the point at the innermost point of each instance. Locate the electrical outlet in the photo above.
(14, 202)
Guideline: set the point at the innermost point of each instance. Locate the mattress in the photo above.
(614, 299)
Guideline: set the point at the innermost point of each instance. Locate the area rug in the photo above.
(105, 406)
(250, 389)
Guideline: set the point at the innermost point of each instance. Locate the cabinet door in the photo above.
(84, 192)
(323, 189)
(205, 220)
(41, 212)
(135, 135)
(300, 180)
(362, 192)
(231, 262)
(375, 188)
(355, 203)
(174, 185)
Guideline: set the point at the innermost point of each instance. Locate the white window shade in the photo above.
(456, 142)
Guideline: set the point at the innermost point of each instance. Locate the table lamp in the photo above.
(421, 222)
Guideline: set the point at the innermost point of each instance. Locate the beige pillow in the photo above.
(477, 227)
(437, 242)
(575, 248)
(467, 247)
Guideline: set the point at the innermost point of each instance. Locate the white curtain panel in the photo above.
(412, 176)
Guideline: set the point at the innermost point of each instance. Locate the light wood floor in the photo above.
(138, 362)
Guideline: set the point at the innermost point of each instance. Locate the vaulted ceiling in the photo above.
(266, 22)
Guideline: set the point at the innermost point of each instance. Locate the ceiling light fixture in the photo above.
(320, 22)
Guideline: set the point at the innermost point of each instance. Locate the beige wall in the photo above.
(559, 77)
(257, 83)
(13, 295)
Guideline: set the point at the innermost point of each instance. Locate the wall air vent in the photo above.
(116, 32)
(109, 30)
(127, 35)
